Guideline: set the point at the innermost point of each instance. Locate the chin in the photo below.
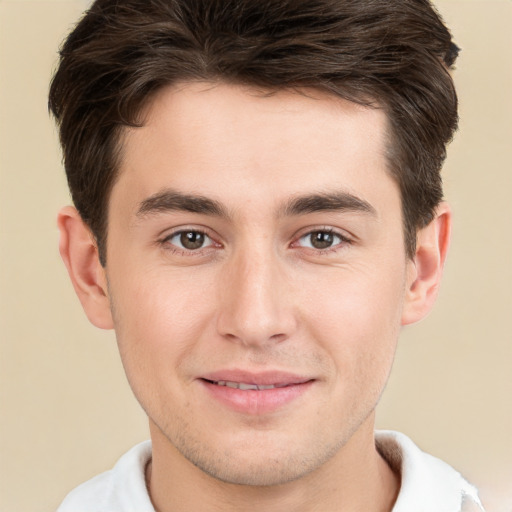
(260, 462)
(257, 474)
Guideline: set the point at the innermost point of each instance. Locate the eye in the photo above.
(322, 239)
(189, 240)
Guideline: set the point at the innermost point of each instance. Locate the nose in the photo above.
(256, 303)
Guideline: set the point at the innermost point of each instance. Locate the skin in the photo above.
(258, 295)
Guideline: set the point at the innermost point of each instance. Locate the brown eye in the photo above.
(189, 240)
(321, 239)
(192, 240)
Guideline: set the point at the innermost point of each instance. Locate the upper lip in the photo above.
(265, 378)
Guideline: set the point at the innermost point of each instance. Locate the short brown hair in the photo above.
(391, 54)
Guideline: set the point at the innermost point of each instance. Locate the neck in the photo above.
(355, 478)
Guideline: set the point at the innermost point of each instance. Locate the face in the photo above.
(256, 273)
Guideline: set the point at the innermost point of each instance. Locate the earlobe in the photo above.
(80, 255)
(426, 268)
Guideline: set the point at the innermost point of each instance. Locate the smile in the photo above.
(255, 394)
(247, 387)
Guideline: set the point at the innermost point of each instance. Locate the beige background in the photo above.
(66, 410)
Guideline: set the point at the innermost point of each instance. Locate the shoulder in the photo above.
(428, 483)
(122, 489)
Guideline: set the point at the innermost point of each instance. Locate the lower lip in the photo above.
(256, 402)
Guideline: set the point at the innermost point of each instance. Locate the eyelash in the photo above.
(344, 240)
(165, 241)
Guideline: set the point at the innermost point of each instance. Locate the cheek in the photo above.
(159, 318)
(355, 316)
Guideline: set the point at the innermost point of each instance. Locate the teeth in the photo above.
(247, 386)
(244, 386)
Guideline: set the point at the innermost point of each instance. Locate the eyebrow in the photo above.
(170, 200)
(324, 202)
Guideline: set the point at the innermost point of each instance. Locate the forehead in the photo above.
(241, 142)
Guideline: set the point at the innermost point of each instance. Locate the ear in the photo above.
(426, 268)
(79, 251)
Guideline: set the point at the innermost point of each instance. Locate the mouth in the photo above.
(244, 386)
(255, 394)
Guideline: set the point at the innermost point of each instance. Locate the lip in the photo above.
(289, 387)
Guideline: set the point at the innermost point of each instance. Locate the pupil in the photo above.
(192, 239)
(321, 240)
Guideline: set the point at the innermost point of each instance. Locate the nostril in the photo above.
(278, 337)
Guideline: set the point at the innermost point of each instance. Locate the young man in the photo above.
(258, 212)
